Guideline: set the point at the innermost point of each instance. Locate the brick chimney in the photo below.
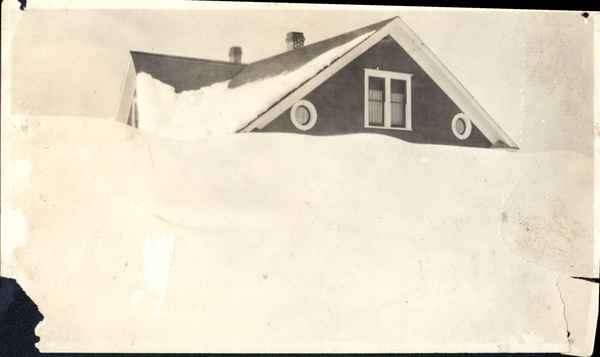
(235, 55)
(294, 40)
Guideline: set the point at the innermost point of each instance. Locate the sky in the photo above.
(530, 70)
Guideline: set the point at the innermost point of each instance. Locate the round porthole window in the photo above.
(461, 126)
(303, 115)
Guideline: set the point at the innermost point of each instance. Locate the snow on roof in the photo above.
(221, 108)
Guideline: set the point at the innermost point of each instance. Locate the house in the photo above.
(388, 83)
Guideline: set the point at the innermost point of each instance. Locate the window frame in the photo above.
(387, 108)
(311, 110)
(468, 126)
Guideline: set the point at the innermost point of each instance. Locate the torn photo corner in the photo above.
(243, 177)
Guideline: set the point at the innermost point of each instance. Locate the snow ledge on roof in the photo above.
(218, 109)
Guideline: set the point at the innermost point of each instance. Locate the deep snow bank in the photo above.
(217, 109)
(274, 242)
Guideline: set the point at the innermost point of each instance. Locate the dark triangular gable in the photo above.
(339, 102)
(405, 38)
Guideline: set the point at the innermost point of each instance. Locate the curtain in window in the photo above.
(398, 101)
(376, 100)
(302, 115)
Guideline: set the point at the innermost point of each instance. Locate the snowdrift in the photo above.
(218, 109)
(131, 242)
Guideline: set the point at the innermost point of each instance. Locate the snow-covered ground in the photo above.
(275, 242)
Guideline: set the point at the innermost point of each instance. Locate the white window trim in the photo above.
(313, 115)
(468, 126)
(387, 75)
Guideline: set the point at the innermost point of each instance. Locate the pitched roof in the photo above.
(184, 73)
(289, 61)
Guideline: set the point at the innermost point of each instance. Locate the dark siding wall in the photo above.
(340, 102)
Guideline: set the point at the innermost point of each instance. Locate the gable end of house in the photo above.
(473, 117)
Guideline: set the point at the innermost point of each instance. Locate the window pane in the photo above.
(376, 113)
(398, 120)
(376, 88)
(398, 89)
(398, 99)
(302, 115)
(460, 126)
(376, 99)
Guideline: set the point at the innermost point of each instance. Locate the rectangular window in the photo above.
(387, 100)
(398, 103)
(376, 101)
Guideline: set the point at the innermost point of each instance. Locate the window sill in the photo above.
(387, 128)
